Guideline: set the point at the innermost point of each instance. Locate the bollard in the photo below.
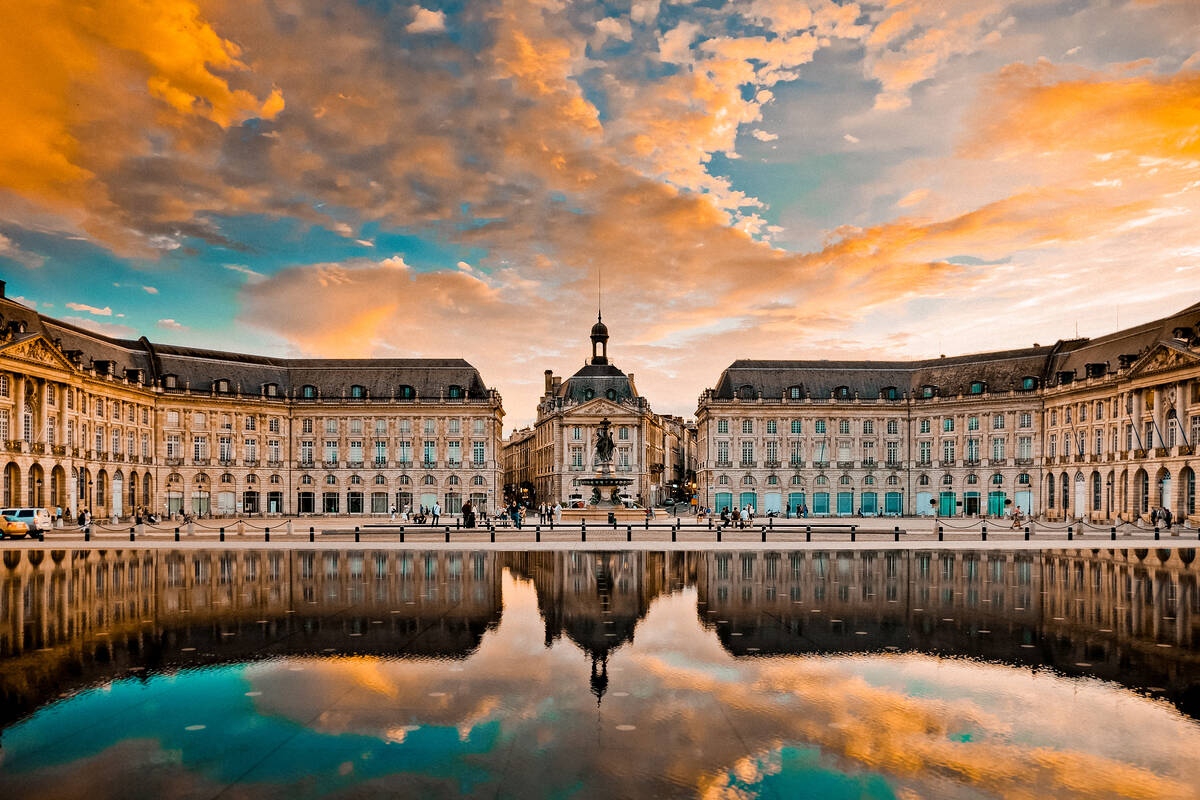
(583, 534)
(896, 531)
(402, 535)
(356, 539)
(491, 534)
(447, 534)
(537, 534)
(984, 533)
(87, 534)
(1070, 533)
(1156, 532)
(1027, 533)
(941, 534)
(1112, 533)
(222, 534)
(356, 531)
(312, 536)
(710, 523)
(853, 535)
(764, 533)
(647, 523)
(853, 528)
(629, 533)
(673, 535)
(808, 533)
(266, 534)
(177, 534)
(771, 522)
(131, 535)
(457, 524)
(718, 533)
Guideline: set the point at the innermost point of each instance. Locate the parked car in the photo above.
(13, 527)
(38, 519)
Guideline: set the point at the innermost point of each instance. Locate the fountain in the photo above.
(605, 503)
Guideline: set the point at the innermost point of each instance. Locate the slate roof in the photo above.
(598, 378)
(1000, 371)
(200, 369)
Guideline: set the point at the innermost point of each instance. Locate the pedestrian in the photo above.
(557, 512)
(1168, 517)
(1154, 516)
(468, 515)
(392, 512)
(743, 515)
(435, 512)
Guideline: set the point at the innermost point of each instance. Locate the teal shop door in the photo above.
(795, 500)
(1024, 501)
(893, 503)
(724, 501)
(772, 501)
(869, 503)
(845, 504)
(946, 507)
(924, 509)
(748, 499)
(996, 504)
(821, 503)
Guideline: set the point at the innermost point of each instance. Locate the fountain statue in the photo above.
(604, 478)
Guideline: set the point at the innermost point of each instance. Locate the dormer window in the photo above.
(221, 385)
(589, 393)
(271, 389)
(842, 393)
(795, 392)
(611, 394)
(1066, 376)
(170, 381)
(1029, 383)
(928, 391)
(890, 393)
(745, 392)
(978, 387)
(455, 392)
(358, 392)
(308, 392)
(1096, 370)
(406, 393)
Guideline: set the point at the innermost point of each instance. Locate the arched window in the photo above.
(842, 393)
(306, 480)
(478, 480)
(308, 392)
(1050, 492)
(251, 478)
(869, 480)
(997, 479)
(1096, 491)
(222, 385)
(893, 480)
(406, 393)
(745, 392)
(428, 480)
(356, 480)
(226, 477)
(797, 480)
(271, 389)
(723, 480)
(748, 481)
(928, 391)
(795, 392)
(972, 479)
(947, 480)
(772, 480)
(611, 394)
(1066, 491)
(380, 480)
(276, 479)
(453, 481)
(330, 480)
(844, 480)
(358, 392)
(822, 480)
(404, 480)
(1023, 479)
(923, 480)
(589, 393)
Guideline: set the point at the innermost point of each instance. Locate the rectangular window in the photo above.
(868, 452)
(623, 434)
(225, 448)
(770, 426)
(622, 456)
(722, 426)
(356, 451)
(722, 452)
(1099, 410)
(331, 450)
(1099, 441)
(797, 428)
(331, 426)
(404, 426)
(199, 448)
(576, 434)
(998, 422)
(924, 426)
(973, 449)
(797, 453)
(99, 440)
(306, 425)
(948, 425)
(404, 451)
(947, 451)
(477, 427)
(380, 453)
(843, 447)
(306, 451)
(772, 450)
(999, 444)
(1128, 437)
(251, 422)
(843, 426)
(1052, 446)
(381, 427)
(477, 454)
(925, 453)
(70, 430)
(1054, 416)
(819, 426)
(174, 446)
(50, 432)
(893, 427)
(173, 418)
(429, 453)
(747, 426)
(893, 452)
(251, 446)
(1148, 439)
(273, 450)
(430, 427)
(356, 427)
(130, 444)
(576, 457)
(454, 453)
(116, 441)
(1026, 420)
(273, 425)
(145, 445)
(821, 453)
(747, 452)
(1025, 447)
(51, 395)
(226, 422)
(868, 427)
(1195, 440)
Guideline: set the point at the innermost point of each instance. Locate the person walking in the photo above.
(392, 512)
(1154, 517)
(557, 512)
(1168, 517)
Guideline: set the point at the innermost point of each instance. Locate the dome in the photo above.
(599, 329)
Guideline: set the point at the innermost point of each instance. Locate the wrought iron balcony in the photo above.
(772, 464)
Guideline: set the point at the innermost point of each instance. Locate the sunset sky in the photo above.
(766, 179)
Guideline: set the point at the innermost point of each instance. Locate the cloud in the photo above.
(426, 21)
(913, 198)
(644, 12)
(611, 28)
(170, 325)
(763, 136)
(149, 290)
(99, 312)
(849, 138)
(113, 329)
(11, 250)
(251, 275)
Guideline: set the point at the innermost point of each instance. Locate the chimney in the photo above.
(1, 290)
(549, 380)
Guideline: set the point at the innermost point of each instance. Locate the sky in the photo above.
(759, 179)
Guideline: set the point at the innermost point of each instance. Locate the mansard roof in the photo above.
(200, 369)
(598, 379)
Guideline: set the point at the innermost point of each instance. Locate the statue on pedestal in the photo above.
(604, 443)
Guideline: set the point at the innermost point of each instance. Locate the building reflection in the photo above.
(70, 618)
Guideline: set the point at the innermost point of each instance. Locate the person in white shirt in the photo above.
(557, 512)
(437, 512)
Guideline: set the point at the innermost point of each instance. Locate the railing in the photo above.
(14, 445)
(820, 465)
(201, 462)
(250, 462)
(58, 450)
(354, 464)
(173, 462)
(1187, 450)
(306, 464)
(225, 462)
(429, 464)
(893, 464)
(971, 462)
(276, 464)
(845, 465)
(37, 448)
(1024, 462)
(327, 464)
(772, 464)
(1161, 452)
(796, 463)
(724, 464)
(1139, 453)
(747, 464)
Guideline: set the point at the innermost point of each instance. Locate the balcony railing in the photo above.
(1161, 452)
(1024, 462)
(201, 462)
(14, 445)
(250, 462)
(37, 448)
(173, 462)
(429, 464)
(746, 463)
(354, 464)
(225, 462)
(303, 464)
(971, 462)
(724, 464)
(772, 464)
(1187, 449)
(1139, 453)
(796, 463)
(892, 464)
(329, 464)
(58, 450)
(821, 465)
(274, 463)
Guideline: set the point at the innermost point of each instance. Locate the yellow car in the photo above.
(10, 526)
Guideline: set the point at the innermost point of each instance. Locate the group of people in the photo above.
(741, 517)
(422, 514)
(1163, 515)
(549, 514)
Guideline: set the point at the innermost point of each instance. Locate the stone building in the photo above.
(549, 459)
(112, 425)
(1095, 429)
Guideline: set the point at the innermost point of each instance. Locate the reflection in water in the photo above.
(304, 673)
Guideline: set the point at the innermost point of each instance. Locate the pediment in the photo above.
(1163, 357)
(36, 349)
(600, 407)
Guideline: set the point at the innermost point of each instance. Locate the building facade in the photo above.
(544, 463)
(1097, 430)
(111, 425)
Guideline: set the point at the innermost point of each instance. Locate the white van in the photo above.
(38, 519)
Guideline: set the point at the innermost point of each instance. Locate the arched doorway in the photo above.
(133, 491)
(100, 493)
(84, 489)
(37, 486)
(118, 489)
(12, 485)
(1163, 483)
(147, 492)
(1187, 494)
(1141, 492)
(58, 487)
